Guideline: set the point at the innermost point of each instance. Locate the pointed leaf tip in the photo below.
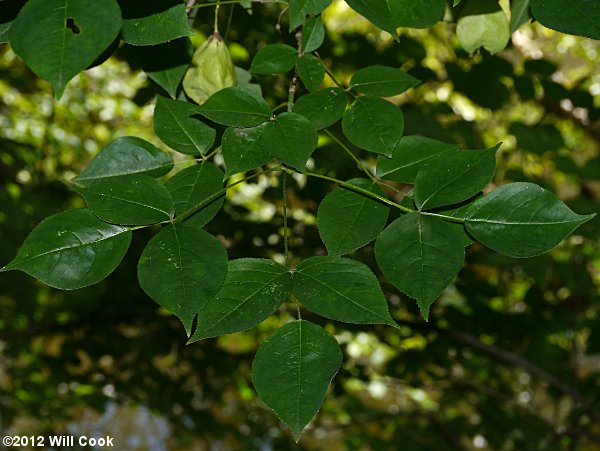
(254, 289)
(72, 249)
(421, 255)
(521, 220)
(292, 370)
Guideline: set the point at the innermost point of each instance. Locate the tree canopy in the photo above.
(380, 213)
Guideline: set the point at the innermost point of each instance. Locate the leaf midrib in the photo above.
(302, 271)
(243, 301)
(65, 248)
(454, 179)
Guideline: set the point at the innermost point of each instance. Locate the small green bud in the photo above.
(211, 70)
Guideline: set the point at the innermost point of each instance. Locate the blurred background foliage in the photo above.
(510, 359)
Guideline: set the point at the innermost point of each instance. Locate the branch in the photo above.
(530, 367)
(189, 5)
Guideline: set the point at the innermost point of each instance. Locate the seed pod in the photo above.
(211, 70)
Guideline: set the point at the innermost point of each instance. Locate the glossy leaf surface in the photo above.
(410, 155)
(521, 220)
(382, 81)
(57, 48)
(373, 124)
(292, 370)
(244, 149)
(376, 11)
(417, 13)
(313, 34)
(322, 108)
(311, 72)
(236, 107)
(253, 290)
(72, 249)
(421, 255)
(300, 8)
(152, 22)
(291, 138)
(182, 268)
(341, 289)
(453, 177)
(348, 220)
(175, 125)
(579, 17)
(126, 156)
(131, 200)
(274, 59)
(520, 12)
(197, 185)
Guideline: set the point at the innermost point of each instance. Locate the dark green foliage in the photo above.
(69, 46)
(440, 200)
(292, 370)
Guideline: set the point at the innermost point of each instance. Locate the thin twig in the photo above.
(189, 5)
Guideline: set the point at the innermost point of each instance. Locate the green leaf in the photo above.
(291, 138)
(322, 108)
(60, 38)
(521, 220)
(253, 290)
(131, 199)
(175, 125)
(194, 185)
(537, 138)
(376, 11)
(165, 64)
(417, 13)
(373, 124)
(236, 107)
(8, 13)
(454, 176)
(341, 289)
(126, 156)
(300, 8)
(311, 72)
(243, 149)
(292, 370)
(520, 12)
(313, 34)
(421, 255)
(483, 24)
(72, 249)
(182, 268)
(410, 155)
(382, 81)
(273, 59)
(579, 17)
(348, 220)
(153, 22)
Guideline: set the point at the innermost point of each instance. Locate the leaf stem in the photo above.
(216, 26)
(349, 152)
(285, 218)
(328, 72)
(218, 194)
(360, 190)
(381, 199)
(292, 88)
(206, 157)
